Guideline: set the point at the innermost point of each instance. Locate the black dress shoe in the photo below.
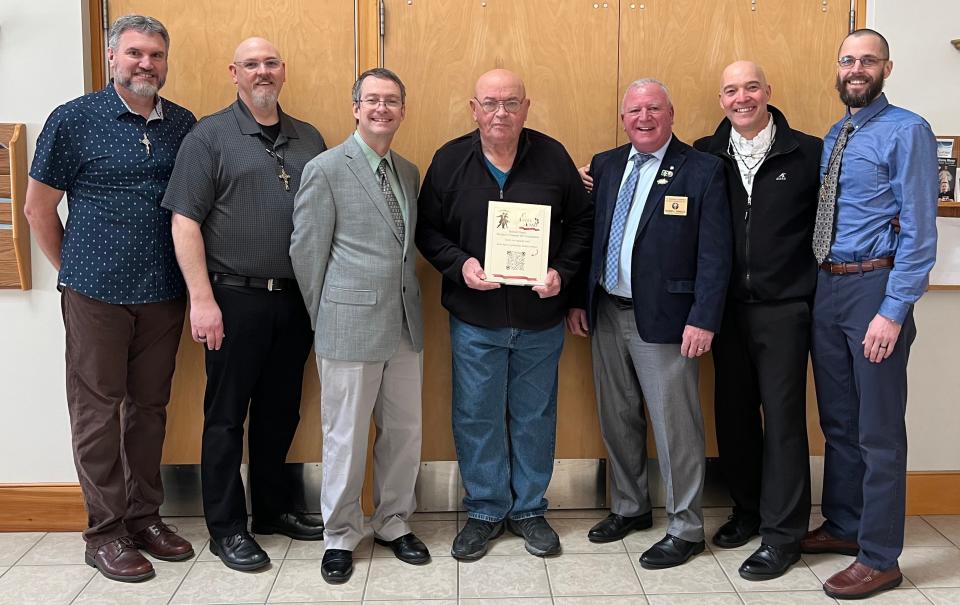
(615, 527)
(337, 566)
(670, 552)
(298, 526)
(769, 562)
(239, 551)
(736, 532)
(408, 548)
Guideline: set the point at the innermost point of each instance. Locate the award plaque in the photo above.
(518, 243)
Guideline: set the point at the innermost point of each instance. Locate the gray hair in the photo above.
(648, 82)
(140, 23)
(384, 74)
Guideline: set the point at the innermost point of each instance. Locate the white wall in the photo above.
(926, 79)
(41, 66)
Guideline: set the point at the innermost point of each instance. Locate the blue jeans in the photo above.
(505, 417)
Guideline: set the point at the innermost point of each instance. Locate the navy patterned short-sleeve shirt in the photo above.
(117, 244)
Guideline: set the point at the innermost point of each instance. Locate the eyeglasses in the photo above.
(374, 102)
(490, 106)
(269, 64)
(866, 61)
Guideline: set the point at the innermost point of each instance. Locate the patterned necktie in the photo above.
(392, 202)
(823, 229)
(619, 222)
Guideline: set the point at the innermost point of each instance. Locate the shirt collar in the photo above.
(373, 158)
(155, 114)
(869, 112)
(658, 154)
(249, 125)
(761, 141)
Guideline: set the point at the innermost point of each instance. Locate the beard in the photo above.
(264, 98)
(140, 88)
(874, 88)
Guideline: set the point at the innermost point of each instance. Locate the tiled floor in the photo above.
(49, 569)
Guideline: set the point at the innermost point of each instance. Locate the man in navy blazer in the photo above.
(654, 299)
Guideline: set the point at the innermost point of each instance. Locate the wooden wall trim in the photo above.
(98, 79)
(368, 34)
(861, 14)
(933, 493)
(42, 507)
(59, 506)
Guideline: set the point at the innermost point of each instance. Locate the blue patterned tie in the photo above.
(619, 222)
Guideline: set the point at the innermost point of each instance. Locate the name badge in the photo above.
(675, 205)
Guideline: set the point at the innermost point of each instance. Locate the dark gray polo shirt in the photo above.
(226, 180)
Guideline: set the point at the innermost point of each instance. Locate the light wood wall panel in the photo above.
(316, 39)
(576, 57)
(567, 54)
(687, 43)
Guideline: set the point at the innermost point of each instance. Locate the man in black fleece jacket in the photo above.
(761, 351)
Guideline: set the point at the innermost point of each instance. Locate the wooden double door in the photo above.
(576, 57)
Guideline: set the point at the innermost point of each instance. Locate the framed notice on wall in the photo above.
(946, 272)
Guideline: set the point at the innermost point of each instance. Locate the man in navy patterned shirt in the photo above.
(112, 152)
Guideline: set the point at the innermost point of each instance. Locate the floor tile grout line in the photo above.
(32, 546)
(276, 577)
(193, 563)
(937, 529)
(643, 590)
(87, 583)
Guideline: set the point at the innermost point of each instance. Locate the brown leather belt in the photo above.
(861, 267)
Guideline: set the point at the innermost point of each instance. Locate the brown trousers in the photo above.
(120, 361)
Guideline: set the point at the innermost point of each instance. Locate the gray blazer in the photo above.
(358, 279)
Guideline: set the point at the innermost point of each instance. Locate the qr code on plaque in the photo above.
(515, 260)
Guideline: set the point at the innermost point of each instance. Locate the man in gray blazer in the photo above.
(352, 250)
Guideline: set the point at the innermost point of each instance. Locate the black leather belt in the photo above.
(272, 284)
(619, 301)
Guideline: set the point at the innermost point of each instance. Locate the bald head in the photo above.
(740, 71)
(744, 94)
(255, 45)
(500, 80)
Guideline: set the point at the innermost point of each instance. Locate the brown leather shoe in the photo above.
(120, 560)
(162, 542)
(819, 541)
(859, 581)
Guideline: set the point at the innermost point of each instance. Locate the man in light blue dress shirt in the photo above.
(863, 324)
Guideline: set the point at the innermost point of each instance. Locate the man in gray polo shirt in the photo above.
(232, 193)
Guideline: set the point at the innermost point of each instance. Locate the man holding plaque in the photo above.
(506, 339)
(654, 299)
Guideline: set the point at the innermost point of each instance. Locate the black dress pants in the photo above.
(260, 368)
(760, 357)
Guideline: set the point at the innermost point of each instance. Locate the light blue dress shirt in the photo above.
(889, 169)
(648, 173)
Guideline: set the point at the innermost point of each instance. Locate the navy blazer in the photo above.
(681, 264)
